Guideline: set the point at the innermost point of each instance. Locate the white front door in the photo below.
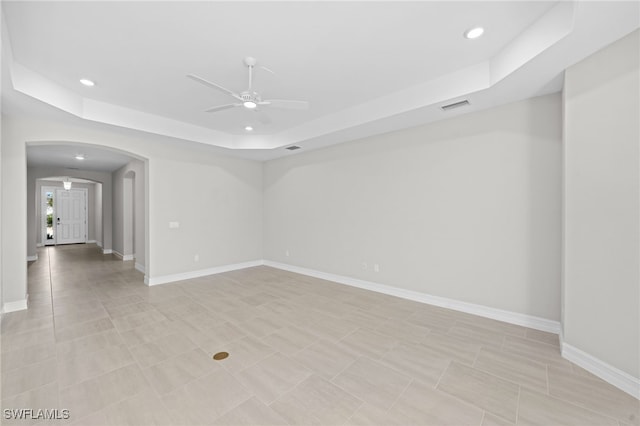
(71, 216)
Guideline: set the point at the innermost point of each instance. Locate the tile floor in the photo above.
(98, 342)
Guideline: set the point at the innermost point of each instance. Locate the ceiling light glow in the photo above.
(87, 82)
(250, 104)
(248, 128)
(79, 157)
(474, 33)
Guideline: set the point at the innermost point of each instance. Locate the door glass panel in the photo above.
(49, 196)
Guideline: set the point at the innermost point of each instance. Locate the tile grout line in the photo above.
(53, 312)
(518, 404)
(442, 375)
(583, 406)
(546, 369)
(395, 401)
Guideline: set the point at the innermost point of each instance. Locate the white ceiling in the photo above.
(62, 155)
(365, 67)
(64, 178)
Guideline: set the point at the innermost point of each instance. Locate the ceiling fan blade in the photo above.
(268, 69)
(222, 107)
(213, 85)
(286, 104)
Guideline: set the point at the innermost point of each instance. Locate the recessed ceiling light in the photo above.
(474, 32)
(79, 157)
(87, 82)
(248, 128)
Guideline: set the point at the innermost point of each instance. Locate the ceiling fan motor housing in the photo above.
(249, 97)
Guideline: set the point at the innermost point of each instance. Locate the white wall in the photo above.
(98, 213)
(129, 219)
(1, 235)
(467, 208)
(601, 285)
(218, 204)
(217, 199)
(14, 218)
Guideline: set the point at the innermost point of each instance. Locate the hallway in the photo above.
(97, 342)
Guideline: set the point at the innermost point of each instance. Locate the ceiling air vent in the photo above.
(455, 105)
(293, 147)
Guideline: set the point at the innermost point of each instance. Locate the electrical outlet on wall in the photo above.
(376, 268)
(286, 253)
(196, 258)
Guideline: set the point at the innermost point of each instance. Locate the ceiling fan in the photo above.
(249, 98)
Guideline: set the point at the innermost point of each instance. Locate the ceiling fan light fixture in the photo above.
(67, 184)
(249, 99)
(473, 33)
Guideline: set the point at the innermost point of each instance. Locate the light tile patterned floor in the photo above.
(98, 342)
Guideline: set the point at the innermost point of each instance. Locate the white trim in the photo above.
(524, 320)
(18, 305)
(200, 273)
(91, 241)
(99, 244)
(124, 257)
(606, 372)
(32, 258)
(139, 267)
(39, 245)
(107, 251)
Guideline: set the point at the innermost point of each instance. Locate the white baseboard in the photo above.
(139, 267)
(32, 258)
(164, 279)
(91, 241)
(107, 251)
(606, 372)
(524, 320)
(124, 257)
(18, 305)
(99, 244)
(40, 245)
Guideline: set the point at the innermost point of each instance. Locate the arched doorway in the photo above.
(119, 211)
